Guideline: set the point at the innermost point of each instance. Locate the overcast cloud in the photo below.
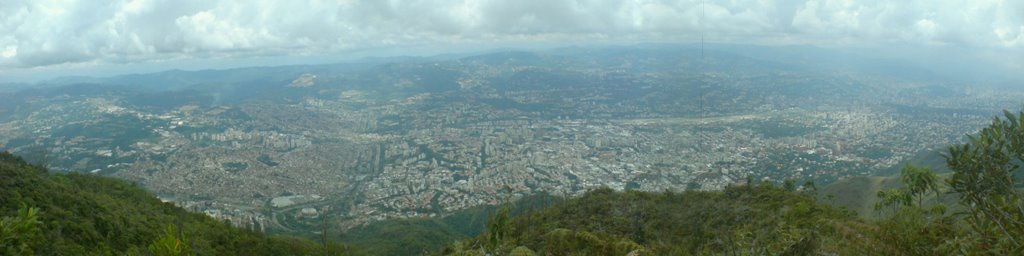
(43, 33)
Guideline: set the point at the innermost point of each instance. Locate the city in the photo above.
(431, 138)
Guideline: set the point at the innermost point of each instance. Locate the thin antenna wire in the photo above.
(702, 63)
(700, 83)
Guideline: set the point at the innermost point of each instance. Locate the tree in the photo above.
(983, 177)
(20, 235)
(809, 189)
(910, 229)
(170, 244)
(789, 185)
(498, 228)
(893, 198)
(918, 182)
(522, 251)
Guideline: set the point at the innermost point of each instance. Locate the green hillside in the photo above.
(74, 214)
(760, 219)
(857, 194)
(418, 235)
(860, 194)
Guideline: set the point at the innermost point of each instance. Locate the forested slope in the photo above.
(759, 219)
(75, 214)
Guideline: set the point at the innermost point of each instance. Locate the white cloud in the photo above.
(1010, 37)
(9, 51)
(205, 31)
(46, 33)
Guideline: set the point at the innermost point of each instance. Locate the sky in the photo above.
(48, 38)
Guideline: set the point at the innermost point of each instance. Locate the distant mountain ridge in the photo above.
(803, 57)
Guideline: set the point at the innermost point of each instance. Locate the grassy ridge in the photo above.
(857, 194)
(860, 194)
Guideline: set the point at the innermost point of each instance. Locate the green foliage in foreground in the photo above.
(760, 219)
(989, 214)
(986, 178)
(402, 236)
(20, 235)
(414, 236)
(73, 214)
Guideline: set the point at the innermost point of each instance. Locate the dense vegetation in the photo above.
(415, 236)
(74, 214)
(760, 219)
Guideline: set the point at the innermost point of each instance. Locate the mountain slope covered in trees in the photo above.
(75, 214)
(759, 219)
(414, 236)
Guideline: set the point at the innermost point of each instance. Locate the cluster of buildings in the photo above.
(430, 154)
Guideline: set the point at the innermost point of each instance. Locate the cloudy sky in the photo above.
(42, 37)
